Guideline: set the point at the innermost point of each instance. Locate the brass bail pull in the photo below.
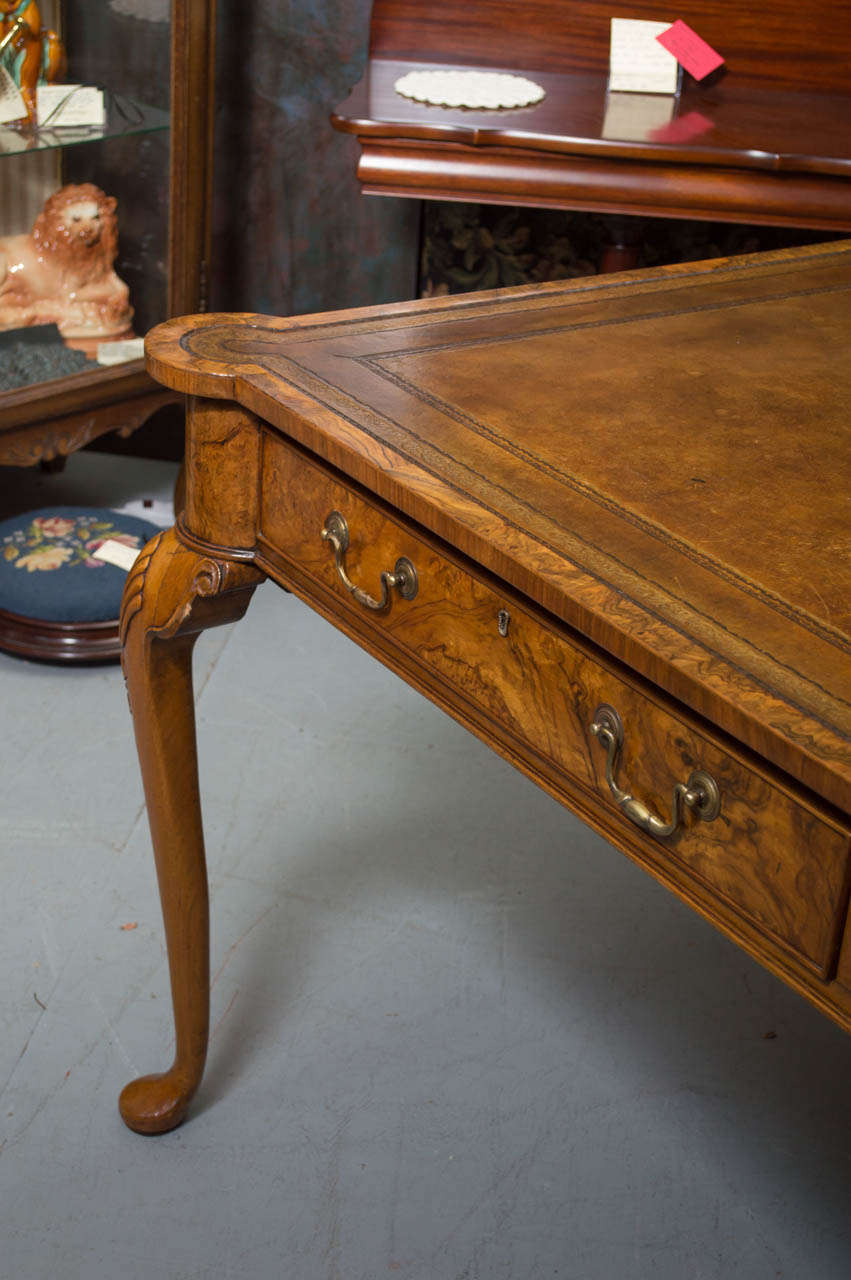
(404, 576)
(699, 793)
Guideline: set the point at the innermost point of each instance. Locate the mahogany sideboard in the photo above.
(603, 523)
(767, 141)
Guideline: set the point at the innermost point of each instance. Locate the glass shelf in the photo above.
(162, 229)
(124, 116)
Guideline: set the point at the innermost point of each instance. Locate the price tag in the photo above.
(113, 552)
(698, 57)
(121, 351)
(637, 61)
(60, 105)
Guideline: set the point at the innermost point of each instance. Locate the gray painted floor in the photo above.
(456, 1036)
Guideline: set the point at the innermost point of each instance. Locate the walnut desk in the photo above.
(604, 524)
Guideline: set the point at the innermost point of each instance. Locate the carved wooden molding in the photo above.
(27, 446)
(169, 582)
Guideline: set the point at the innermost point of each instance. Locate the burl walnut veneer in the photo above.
(604, 523)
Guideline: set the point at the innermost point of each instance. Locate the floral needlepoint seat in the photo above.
(58, 601)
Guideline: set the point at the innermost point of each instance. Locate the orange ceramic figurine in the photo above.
(34, 53)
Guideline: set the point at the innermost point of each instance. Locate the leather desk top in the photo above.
(659, 459)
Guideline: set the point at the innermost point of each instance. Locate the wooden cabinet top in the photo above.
(782, 106)
(800, 46)
(660, 459)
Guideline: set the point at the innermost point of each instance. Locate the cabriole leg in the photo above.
(173, 593)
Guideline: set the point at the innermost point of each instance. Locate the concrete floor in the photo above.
(456, 1036)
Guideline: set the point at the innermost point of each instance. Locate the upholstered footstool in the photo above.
(58, 601)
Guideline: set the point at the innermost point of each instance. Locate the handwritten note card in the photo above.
(638, 63)
(62, 105)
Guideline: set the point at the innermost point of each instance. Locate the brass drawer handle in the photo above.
(403, 578)
(699, 793)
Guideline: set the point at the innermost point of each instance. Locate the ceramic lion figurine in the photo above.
(62, 272)
(35, 52)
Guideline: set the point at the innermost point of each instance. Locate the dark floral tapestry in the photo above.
(472, 246)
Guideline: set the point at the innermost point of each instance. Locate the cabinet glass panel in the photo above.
(123, 50)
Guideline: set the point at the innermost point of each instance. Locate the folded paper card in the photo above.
(112, 552)
(61, 105)
(637, 61)
(120, 352)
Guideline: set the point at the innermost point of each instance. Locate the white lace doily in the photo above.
(488, 89)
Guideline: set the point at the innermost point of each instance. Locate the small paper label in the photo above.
(121, 351)
(698, 57)
(59, 105)
(116, 553)
(12, 105)
(637, 61)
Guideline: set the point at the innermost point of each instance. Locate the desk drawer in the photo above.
(768, 855)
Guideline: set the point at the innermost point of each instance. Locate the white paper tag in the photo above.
(119, 352)
(12, 105)
(637, 61)
(116, 553)
(632, 117)
(59, 105)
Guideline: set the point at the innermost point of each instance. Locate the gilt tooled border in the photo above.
(319, 332)
(641, 604)
(687, 549)
(375, 365)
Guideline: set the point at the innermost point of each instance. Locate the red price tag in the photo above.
(698, 57)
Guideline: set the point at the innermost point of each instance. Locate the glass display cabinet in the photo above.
(154, 63)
